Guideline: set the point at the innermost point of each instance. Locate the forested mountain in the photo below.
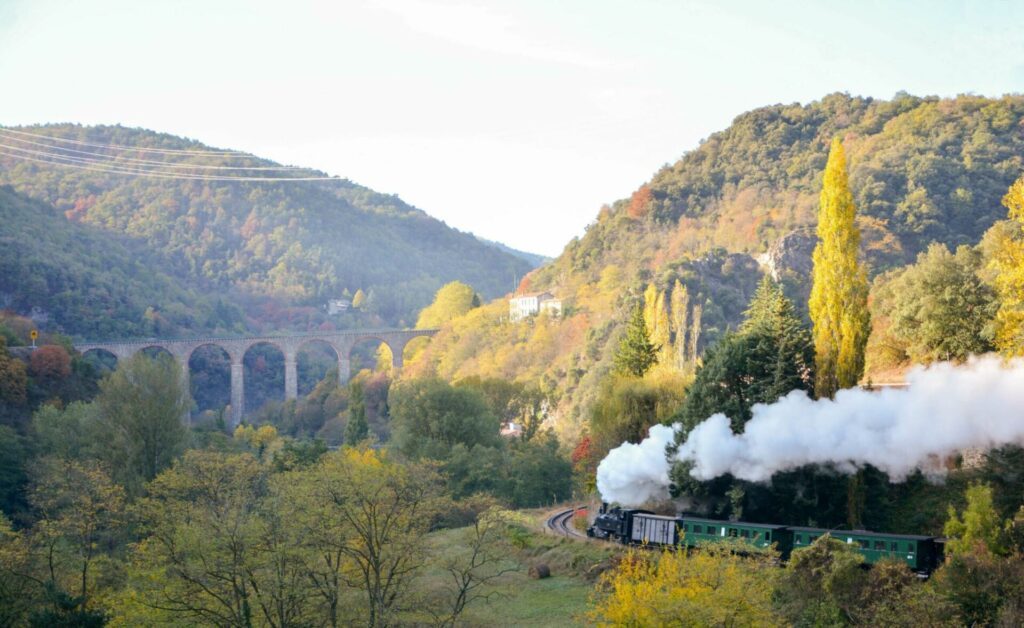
(291, 244)
(78, 277)
(921, 170)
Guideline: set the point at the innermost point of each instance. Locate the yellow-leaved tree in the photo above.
(680, 302)
(659, 328)
(839, 294)
(1008, 262)
(713, 586)
(451, 301)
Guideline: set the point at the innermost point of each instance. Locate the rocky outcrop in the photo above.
(790, 255)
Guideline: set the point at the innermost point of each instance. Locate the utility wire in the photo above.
(166, 164)
(149, 173)
(173, 151)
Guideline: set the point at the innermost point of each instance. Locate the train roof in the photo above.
(775, 526)
(837, 533)
(651, 515)
(721, 522)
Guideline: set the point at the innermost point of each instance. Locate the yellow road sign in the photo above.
(33, 334)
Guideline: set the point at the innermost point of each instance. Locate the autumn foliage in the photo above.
(50, 362)
(582, 451)
(640, 202)
(713, 586)
(524, 283)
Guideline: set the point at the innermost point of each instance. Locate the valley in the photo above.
(235, 392)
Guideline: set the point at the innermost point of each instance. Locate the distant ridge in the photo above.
(534, 259)
(291, 245)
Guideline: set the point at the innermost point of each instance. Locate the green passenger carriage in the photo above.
(696, 529)
(921, 554)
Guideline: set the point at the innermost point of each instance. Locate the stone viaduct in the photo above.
(289, 344)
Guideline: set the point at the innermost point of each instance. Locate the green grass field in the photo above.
(514, 599)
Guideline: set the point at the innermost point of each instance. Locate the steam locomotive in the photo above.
(921, 553)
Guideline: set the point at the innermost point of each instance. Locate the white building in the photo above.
(337, 306)
(512, 430)
(523, 305)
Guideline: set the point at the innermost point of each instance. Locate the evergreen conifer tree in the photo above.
(839, 294)
(780, 341)
(768, 357)
(636, 354)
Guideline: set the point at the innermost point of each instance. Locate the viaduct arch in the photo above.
(289, 344)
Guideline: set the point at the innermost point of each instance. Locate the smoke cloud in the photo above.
(631, 474)
(946, 408)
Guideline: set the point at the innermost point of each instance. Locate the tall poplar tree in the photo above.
(680, 310)
(698, 309)
(357, 429)
(839, 295)
(1008, 262)
(656, 318)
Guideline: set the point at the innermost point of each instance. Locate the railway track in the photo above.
(560, 523)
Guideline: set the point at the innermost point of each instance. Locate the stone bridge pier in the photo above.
(342, 342)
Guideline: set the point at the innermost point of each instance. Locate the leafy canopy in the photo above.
(978, 528)
(716, 585)
(939, 308)
(452, 299)
(141, 406)
(430, 416)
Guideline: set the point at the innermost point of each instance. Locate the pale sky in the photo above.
(513, 120)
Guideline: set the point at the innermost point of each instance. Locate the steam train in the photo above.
(921, 553)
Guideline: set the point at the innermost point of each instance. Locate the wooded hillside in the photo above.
(297, 243)
(921, 170)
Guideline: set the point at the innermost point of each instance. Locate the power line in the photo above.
(173, 151)
(166, 164)
(113, 166)
(160, 175)
(150, 173)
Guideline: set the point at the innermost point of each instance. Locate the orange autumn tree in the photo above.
(640, 202)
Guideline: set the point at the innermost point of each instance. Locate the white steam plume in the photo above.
(946, 409)
(631, 474)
